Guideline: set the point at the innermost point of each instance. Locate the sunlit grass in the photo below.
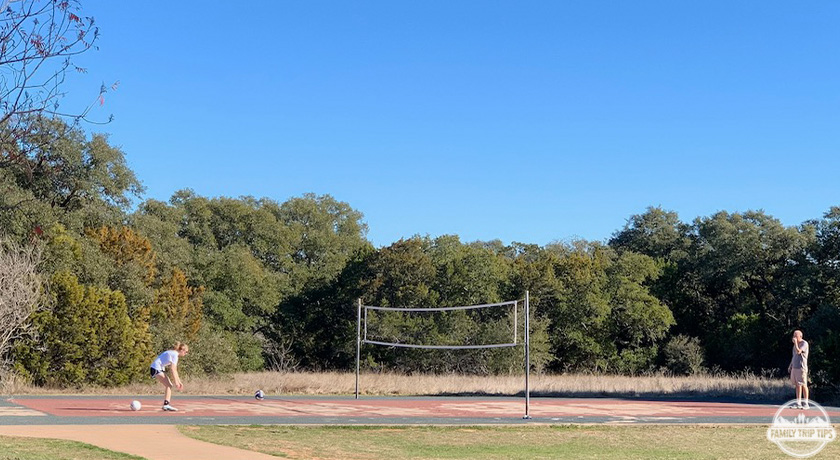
(490, 443)
(53, 449)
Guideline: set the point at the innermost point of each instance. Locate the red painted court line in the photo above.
(444, 408)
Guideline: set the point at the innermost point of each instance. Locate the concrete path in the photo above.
(153, 442)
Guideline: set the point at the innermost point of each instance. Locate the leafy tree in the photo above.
(404, 275)
(581, 308)
(683, 355)
(325, 235)
(822, 328)
(133, 265)
(212, 352)
(602, 315)
(86, 338)
(467, 274)
(739, 282)
(66, 179)
(637, 319)
(160, 224)
(749, 264)
(125, 246)
(656, 233)
(661, 234)
(69, 171)
(316, 329)
(178, 307)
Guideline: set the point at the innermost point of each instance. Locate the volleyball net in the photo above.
(407, 327)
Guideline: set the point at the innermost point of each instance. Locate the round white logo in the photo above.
(801, 431)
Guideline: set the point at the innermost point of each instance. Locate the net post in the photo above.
(527, 356)
(358, 342)
(515, 322)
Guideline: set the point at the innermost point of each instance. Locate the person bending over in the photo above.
(169, 358)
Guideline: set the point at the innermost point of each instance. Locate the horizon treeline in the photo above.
(255, 284)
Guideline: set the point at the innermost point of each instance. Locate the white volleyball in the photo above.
(135, 405)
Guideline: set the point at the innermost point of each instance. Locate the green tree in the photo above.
(750, 264)
(822, 328)
(86, 338)
(739, 281)
(602, 315)
(178, 307)
(638, 320)
(325, 234)
(656, 233)
(68, 179)
(132, 264)
(251, 254)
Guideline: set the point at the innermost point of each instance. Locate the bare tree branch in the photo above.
(38, 39)
(20, 290)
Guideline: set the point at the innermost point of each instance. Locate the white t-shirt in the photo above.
(164, 359)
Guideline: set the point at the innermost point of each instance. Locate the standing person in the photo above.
(158, 371)
(799, 368)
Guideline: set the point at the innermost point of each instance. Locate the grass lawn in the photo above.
(53, 449)
(520, 442)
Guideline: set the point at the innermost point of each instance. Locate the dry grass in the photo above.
(343, 383)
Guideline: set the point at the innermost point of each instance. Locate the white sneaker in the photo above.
(167, 407)
(806, 406)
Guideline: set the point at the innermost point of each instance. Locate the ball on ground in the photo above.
(135, 405)
(259, 395)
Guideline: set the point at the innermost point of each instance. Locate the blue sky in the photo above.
(522, 121)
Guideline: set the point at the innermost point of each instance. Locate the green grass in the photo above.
(53, 449)
(491, 443)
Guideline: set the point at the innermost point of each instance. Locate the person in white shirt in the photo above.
(158, 371)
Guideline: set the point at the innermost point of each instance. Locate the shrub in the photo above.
(683, 355)
(87, 338)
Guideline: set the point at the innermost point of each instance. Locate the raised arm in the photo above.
(799, 351)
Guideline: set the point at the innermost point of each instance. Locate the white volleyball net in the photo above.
(493, 325)
(468, 327)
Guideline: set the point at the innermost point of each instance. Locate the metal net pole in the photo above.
(358, 343)
(527, 356)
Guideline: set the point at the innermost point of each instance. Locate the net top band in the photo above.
(467, 307)
(440, 347)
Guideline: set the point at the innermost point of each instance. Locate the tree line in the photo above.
(258, 284)
(94, 280)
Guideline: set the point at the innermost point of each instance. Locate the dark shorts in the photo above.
(154, 372)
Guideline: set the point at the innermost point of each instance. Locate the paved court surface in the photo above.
(114, 410)
(81, 418)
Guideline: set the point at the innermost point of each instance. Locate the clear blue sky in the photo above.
(522, 121)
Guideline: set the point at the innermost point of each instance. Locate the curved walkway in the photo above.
(153, 442)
